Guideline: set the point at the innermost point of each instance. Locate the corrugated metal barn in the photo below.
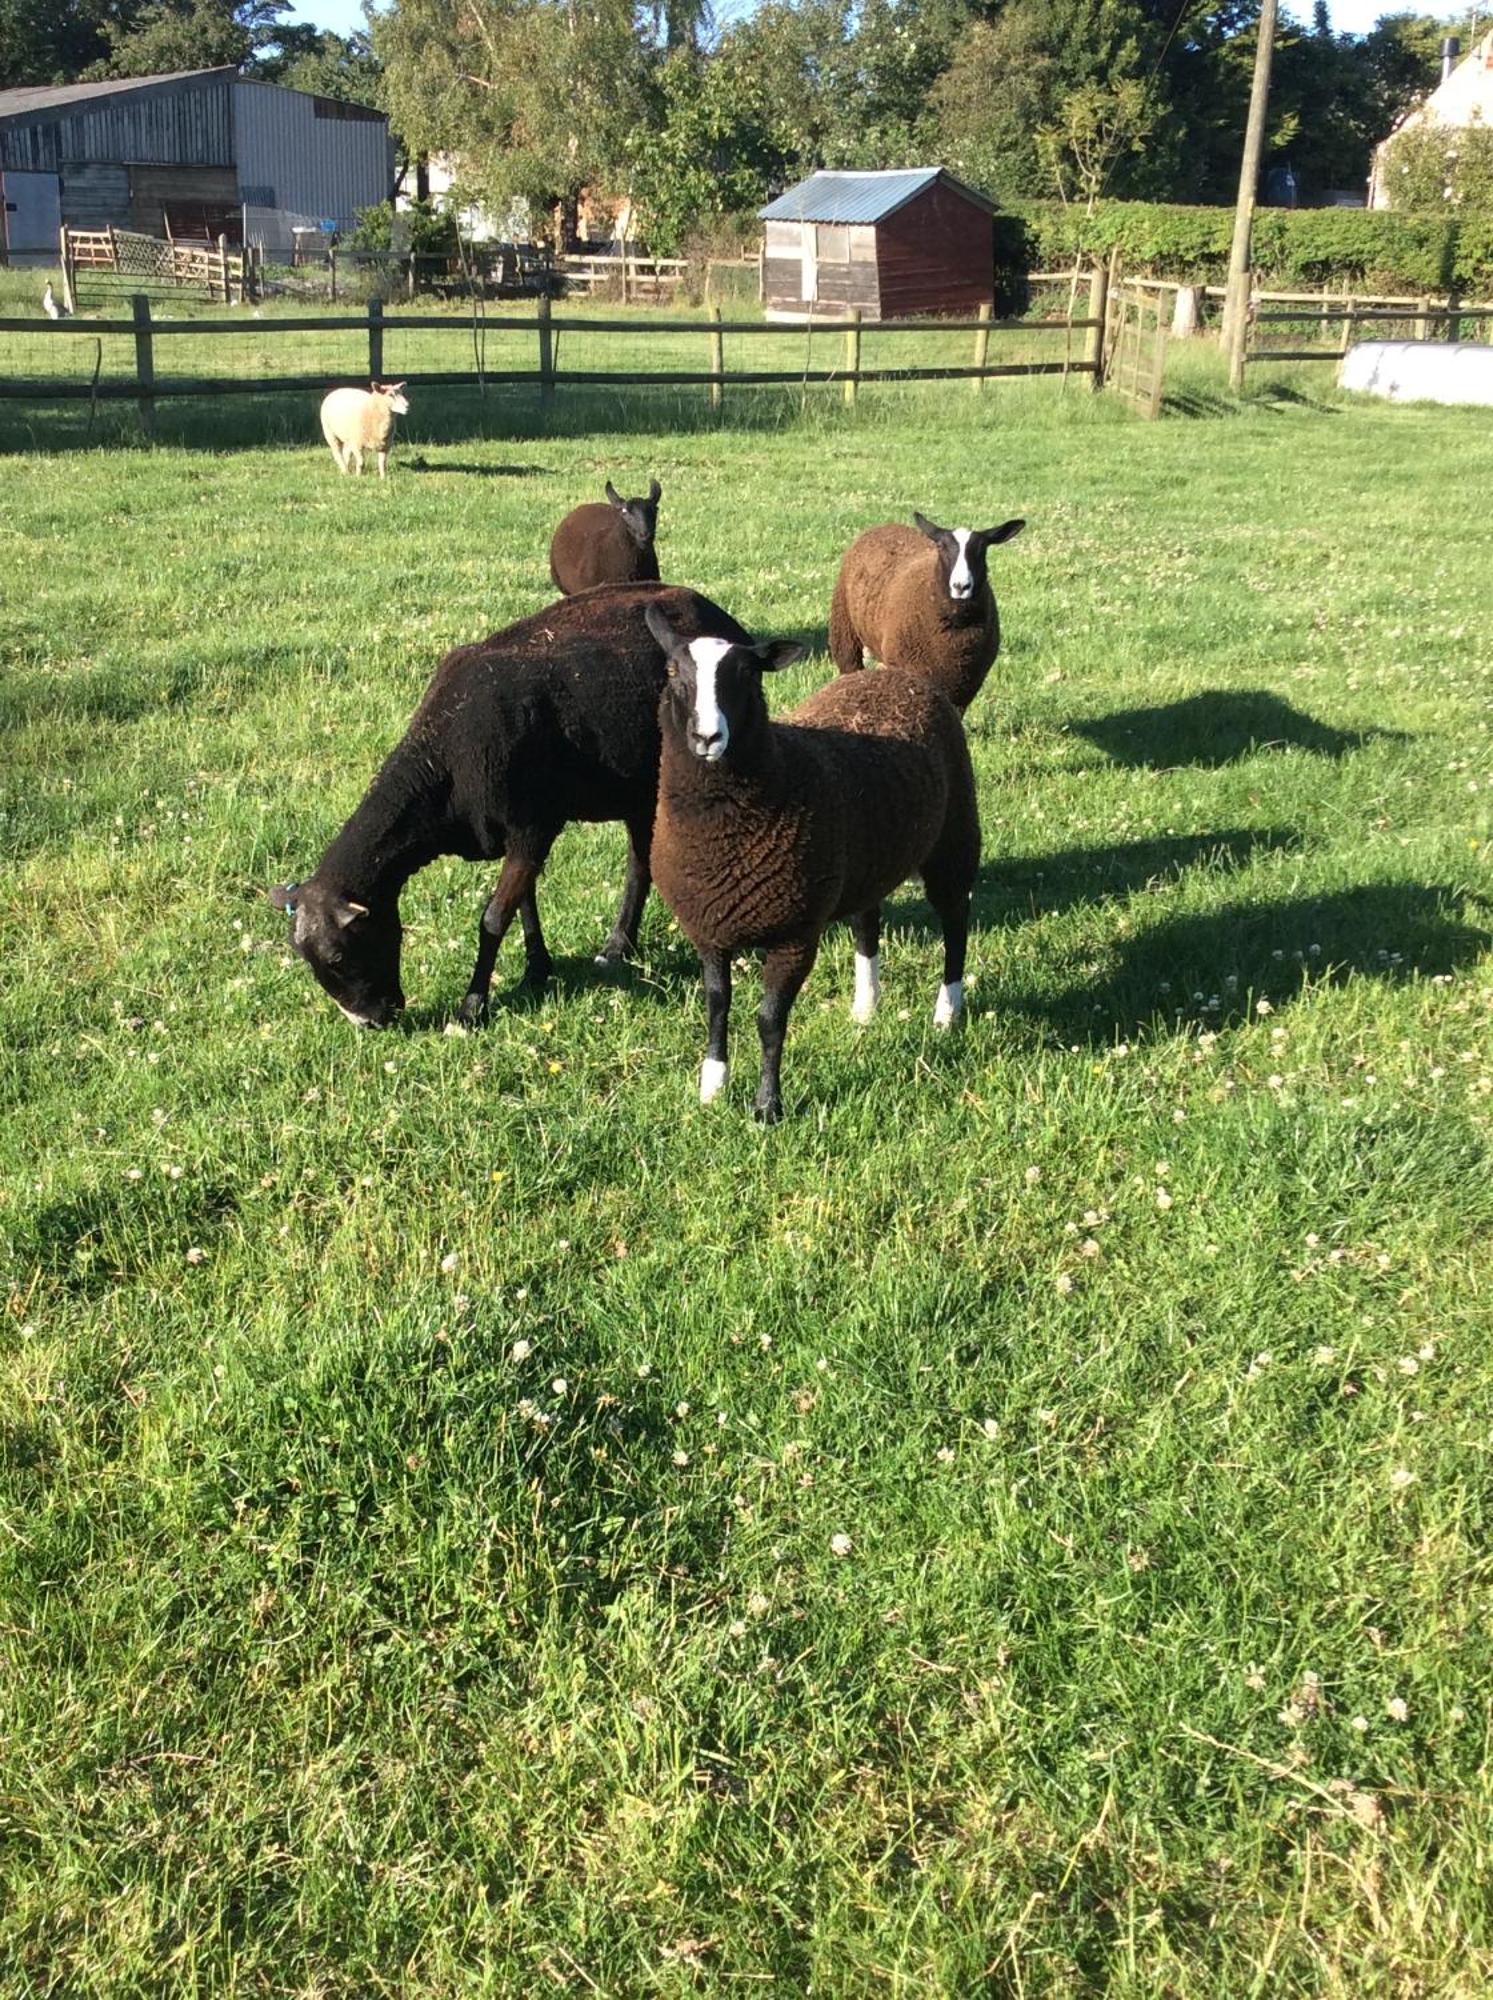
(895, 244)
(199, 153)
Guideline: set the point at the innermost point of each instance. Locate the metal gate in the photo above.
(1135, 345)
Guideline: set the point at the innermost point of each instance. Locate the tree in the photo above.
(1018, 75)
(325, 64)
(1096, 126)
(535, 98)
(189, 34)
(54, 43)
(713, 148)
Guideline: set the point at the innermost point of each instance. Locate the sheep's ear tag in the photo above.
(284, 899)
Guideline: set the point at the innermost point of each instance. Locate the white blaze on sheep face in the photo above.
(949, 1005)
(961, 576)
(709, 732)
(867, 987)
(713, 1076)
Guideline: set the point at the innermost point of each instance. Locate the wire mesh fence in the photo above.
(528, 351)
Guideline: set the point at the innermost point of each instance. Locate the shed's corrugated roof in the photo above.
(33, 99)
(860, 197)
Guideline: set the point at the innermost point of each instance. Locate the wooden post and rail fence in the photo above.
(149, 383)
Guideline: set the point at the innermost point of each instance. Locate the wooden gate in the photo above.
(1135, 344)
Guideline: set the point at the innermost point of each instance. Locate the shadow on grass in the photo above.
(419, 463)
(1011, 891)
(1218, 728)
(1213, 970)
(1203, 400)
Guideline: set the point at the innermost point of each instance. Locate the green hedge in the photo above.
(1316, 248)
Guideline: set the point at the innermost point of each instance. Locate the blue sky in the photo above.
(1348, 16)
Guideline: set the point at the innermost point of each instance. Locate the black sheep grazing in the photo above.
(920, 599)
(606, 544)
(768, 831)
(553, 719)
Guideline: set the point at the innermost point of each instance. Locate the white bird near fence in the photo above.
(50, 305)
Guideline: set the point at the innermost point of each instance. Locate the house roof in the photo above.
(35, 100)
(861, 197)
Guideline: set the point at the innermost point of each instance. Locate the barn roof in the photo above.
(861, 196)
(36, 100)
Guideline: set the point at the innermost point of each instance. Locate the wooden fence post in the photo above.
(332, 272)
(375, 340)
(145, 367)
(1098, 313)
(1423, 321)
(546, 351)
(982, 345)
(717, 358)
(852, 355)
(223, 270)
(1347, 339)
(69, 296)
(1453, 323)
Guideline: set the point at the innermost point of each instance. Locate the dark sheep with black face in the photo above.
(920, 599)
(551, 720)
(769, 831)
(610, 543)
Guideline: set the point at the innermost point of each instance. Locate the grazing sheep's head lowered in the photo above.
(962, 553)
(640, 515)
(352, 950)
(713, 696)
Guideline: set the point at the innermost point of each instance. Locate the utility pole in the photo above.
(1236, 305)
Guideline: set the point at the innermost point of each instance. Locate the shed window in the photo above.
(832, 244)
(782, 239)
(862, 243)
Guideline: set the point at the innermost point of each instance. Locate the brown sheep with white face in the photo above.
(919, 598)
(769, 831)
(611, 543)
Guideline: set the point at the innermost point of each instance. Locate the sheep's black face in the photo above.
(961, 554)
(713, 697)
(639, 515)
(352, 951)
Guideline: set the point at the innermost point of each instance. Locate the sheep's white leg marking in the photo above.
(713, 1077)
(867, 986)
(961, 582)
(949, 1005)
(706, 722)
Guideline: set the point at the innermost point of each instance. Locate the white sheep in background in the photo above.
(354, 421)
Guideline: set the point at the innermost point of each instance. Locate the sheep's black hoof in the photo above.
(537, 973)
(768, 1110)
(472, 1010)
(614, 951)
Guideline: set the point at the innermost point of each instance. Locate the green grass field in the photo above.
(476, 1522)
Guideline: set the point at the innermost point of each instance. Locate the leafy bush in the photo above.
(432, 231)
(1316, 248)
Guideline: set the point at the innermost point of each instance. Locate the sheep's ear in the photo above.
(775, 654)
(1004, 533)
(662, 630)
(283, 896)
(926, 527)
(614, 496)
(345, 912)
(655, 492)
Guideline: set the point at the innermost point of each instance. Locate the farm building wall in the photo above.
(936, 255)
(170, 124)
(303, 160)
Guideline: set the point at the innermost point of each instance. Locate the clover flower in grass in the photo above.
(840, 1545)
(560, 1387)
(449, 1262)
(196, 1255)
(1400, 1478)
(1397, 1708)
(521, 1350)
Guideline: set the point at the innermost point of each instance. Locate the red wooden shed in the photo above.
(895, 244)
